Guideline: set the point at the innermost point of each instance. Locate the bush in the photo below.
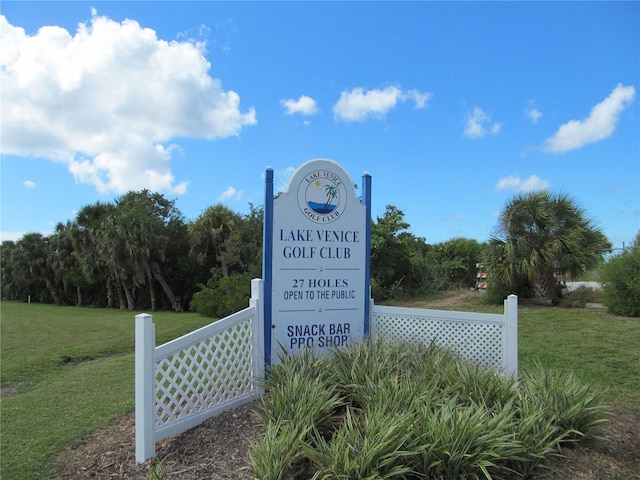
(222, 296)
(621, 283)
(497, 291)
(579, 297)
(452, 264)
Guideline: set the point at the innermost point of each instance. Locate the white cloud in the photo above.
(11, 236)
(478, 124)
(515, 183)
(600, 124)
(359, 105)
(419, 98)
(283, 177)
(304, 105)
(230, 193)
(534, 114)
(108, 101)
(531, 112)
(29, 184)
(16, 236)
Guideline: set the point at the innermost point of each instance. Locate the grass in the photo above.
(597, 347)
(65, 371)
(51, 355)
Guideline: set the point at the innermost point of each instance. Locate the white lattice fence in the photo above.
(183, 382)
(193, 378)
(483, 338)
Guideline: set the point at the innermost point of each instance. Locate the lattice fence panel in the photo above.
(479, 342)
(205, 374)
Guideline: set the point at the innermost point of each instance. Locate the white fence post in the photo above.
(145, 385)
(511, 335)
(257, 347)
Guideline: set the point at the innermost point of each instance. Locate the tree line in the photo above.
(135, 253)
(139, 252)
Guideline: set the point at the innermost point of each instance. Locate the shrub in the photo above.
(452, 264)
(497, 291)
(579, 297)
(621, 283)
(222, 296)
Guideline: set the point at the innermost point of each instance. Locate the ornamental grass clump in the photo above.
(395, 410)
(574, 407)
(475, 385)
(371, 445)
(279, 451)
(535, 432)
(365, 368)
(301, 389)
(458, 442)
(366, 364)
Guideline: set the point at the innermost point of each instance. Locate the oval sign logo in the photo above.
(322, 196)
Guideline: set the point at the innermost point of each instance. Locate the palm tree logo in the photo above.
(332, 192)
(322, 196)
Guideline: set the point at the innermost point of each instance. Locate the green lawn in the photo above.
(600, 348)
(65, 371)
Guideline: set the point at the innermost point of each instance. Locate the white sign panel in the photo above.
(319, 248)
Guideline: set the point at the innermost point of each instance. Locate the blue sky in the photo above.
(451, 107)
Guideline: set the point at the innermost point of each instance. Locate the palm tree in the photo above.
(117, 251)
(32, 260)
(13, 283)
(65, 264)
(540, 234)
(87, 239)
(138, 242)
(209, 233)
